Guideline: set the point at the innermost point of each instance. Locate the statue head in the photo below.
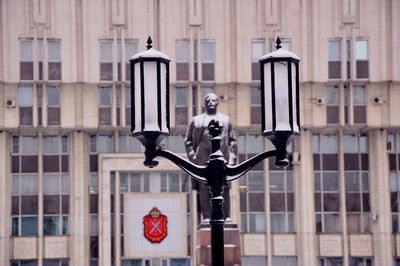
(211, 103)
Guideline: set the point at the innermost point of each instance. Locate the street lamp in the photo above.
(150, 124)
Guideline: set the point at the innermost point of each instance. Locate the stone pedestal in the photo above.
(231, 242)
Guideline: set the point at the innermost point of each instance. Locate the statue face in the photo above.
(211, 102)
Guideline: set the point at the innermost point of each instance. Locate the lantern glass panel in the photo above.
(163, 77)
(281, 96)
(138, 97)
(294, 99)
(150, 96)
(267, 98)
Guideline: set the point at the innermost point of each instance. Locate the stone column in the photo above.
(104, 214)
(5, 198)
(79, 202)
(305, 202)
(380, 198)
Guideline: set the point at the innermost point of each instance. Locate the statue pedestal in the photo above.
(231, 242)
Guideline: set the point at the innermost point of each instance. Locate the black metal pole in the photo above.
(216, 179)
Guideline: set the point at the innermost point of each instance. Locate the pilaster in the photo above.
(380, 198)
(79, 244)
(5, 198)
(305, 197)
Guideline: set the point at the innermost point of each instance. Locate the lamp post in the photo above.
(150, 124)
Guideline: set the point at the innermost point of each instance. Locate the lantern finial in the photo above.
(278, 43)
(149, 43)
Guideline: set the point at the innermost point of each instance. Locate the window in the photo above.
(128, 106)
(118, 91)
(252, 187)
(55, 185)
(97, 144)
(106, 69)
(26, 105)
(26, 60)
(130, 50)
(129, 144)
(207, 59)
(56, 262)
(253, 261)
(359, 104)
(394, 175)
(326, 183)
(257, 51)
(356, 183)
(360, 261)
(362, 65)
(54, 58)
(334, 59)
(255, 105)
(332, 104)
(53, 105)
(24, 263)
(396, 262)
(281, 201)
(39, 96)
(182, 60)
(24, 201)
(104, 103)
(175, 182)
(40, 57)
(284, 261)
(330, 262)
(181, 108)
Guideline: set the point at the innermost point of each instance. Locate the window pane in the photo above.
(352, 181)
(181, 96)
(54, 51)
(131, 49)
(105, 144)
(28, 226)
(173, 180)
(257, 222)
(29, 184)
(26, 96)
(207, 51)
(329, 144)
(359, 95)
(51, 145)
(106, 51)
(256, 181)
(278, 223)
(334, 50)
(51, 184)
(53, 96)
(276, 181)
(331, 181)
(331, 223)
(350, 143)
(361, 50)
(26, 51)
(255, 96)
(332, 95)
(105, 96)
(257, 50)
(51, 225)
(182, 51)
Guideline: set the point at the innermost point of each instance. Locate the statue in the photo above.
(198, 149)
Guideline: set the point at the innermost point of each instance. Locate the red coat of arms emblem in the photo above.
(155, 226)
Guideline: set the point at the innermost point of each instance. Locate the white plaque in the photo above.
(139, 205)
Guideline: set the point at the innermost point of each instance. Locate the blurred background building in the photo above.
(68, 164)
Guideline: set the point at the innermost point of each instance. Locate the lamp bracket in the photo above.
(236, 171)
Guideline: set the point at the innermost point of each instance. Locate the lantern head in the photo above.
(150, 96)
(280, 98)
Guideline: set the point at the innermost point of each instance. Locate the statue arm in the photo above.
(233, 146)
(190, 150)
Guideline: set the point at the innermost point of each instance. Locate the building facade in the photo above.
(68, 164)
